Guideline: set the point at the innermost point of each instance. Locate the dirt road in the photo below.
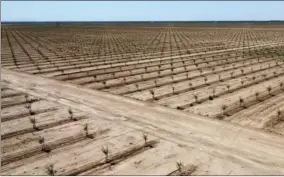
(238, 150)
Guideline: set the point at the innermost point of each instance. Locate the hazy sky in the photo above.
(140, 10)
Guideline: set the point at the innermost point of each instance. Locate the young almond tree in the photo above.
(274, 73)
(232, 74)
(279, 114)
(105, 150)
(281, 85)
(173, 88)
(29, 107)
(70, 112)
(153, 94)
(213, 92)
(205, 80)
(145, 137)
(269, 89)
(27, 98)
(33, 121)
(44, 147)
(224, 107)
(219, 76)
(50, 170)
(156, 84)
(241, 100)
(190, 85)
(195, 97)
(137, 87)
(179, 166)
(228, 87)
(86, 129)
(256, 95)
(201, 71)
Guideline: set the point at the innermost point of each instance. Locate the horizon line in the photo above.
(158, 21)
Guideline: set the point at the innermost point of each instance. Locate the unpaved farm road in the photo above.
(219, 147)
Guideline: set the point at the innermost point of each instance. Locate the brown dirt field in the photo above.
(132, 100)
(192, 139)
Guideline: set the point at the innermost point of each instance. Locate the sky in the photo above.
(141, 10)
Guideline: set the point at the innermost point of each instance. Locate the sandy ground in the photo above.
(215, 147)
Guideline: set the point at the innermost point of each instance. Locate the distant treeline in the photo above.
(59, 23)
